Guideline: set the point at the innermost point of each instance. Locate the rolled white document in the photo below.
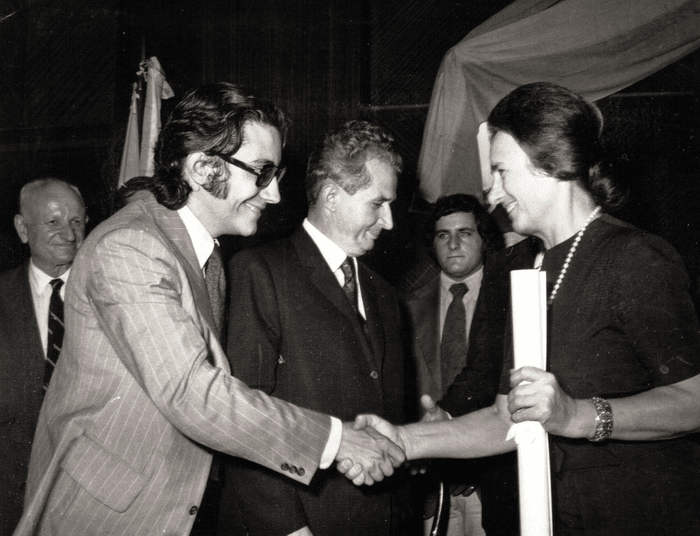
(529, 306)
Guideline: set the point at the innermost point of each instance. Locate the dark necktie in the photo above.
(350, 285)
(56, 330)
(453, 348)
(216, 286)
(350, 289)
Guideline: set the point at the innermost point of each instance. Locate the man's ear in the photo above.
(329, 196)
(198, 169)
(21, 228)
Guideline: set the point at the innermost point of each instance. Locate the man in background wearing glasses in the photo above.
(142, 393)
(312, 325)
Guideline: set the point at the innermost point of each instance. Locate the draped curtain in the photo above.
(593, 47)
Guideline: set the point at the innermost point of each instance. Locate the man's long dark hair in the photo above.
(208, 119)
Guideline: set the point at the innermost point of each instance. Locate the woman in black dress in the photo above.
(622, 389)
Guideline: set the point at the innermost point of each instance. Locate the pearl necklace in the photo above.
(572, 250)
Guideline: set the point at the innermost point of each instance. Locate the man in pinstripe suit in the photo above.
(142, 393)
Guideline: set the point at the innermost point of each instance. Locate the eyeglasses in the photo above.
(264, 175)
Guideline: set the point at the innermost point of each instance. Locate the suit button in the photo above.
(293, 469)
(374, 374)
(285, 467)
(193, 510)
(301, 471)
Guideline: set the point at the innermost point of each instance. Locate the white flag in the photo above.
(131, 156)
(156, 89)
(137, 159)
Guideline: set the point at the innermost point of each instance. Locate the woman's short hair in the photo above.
(342, 154)
(208, 119)
(561, 134)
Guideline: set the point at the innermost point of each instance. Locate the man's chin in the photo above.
(65, 258)
(245, 230)
(364, 247)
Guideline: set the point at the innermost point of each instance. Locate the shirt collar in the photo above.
(40, 279)
(332, 252)
(201, 239)
(473, 281)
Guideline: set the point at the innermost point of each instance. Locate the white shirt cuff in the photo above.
(333, 445)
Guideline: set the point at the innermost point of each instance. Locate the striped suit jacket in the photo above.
(142, 392)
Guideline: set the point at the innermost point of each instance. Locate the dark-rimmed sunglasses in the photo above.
(264, 175)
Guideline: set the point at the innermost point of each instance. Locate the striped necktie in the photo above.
(350, 285)
(350, 289)
(56, 330)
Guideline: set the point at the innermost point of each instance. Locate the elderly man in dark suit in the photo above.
(51, 220)
(142, 393)
(312, 325)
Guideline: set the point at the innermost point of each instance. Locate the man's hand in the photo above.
(433, 412)
(382, 426)
(365, 456)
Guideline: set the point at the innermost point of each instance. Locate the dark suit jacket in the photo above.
(422, 322)
(422, 326)
(21, 389)
(142, 393)
(477, 385)
(294, 335)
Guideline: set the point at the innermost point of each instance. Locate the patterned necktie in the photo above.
(56, 330)
(453, 348)
(350, 289)
(350, 285)
(216, 286)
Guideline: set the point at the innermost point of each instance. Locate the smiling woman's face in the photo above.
(524, 191)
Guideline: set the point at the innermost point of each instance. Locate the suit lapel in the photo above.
(175, 231)
(21, 317)
(322, 277)
(28, 310)
(426, 312)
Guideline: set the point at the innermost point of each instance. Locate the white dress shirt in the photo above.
(335, 256)
(201, 239)
(40, 282)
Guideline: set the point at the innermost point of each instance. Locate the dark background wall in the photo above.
(68, 66)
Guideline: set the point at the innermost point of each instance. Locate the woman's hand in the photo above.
(537, 396)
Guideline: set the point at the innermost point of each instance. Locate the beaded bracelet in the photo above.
(603, 420)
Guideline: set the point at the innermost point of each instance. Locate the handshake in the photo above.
(371, 447)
